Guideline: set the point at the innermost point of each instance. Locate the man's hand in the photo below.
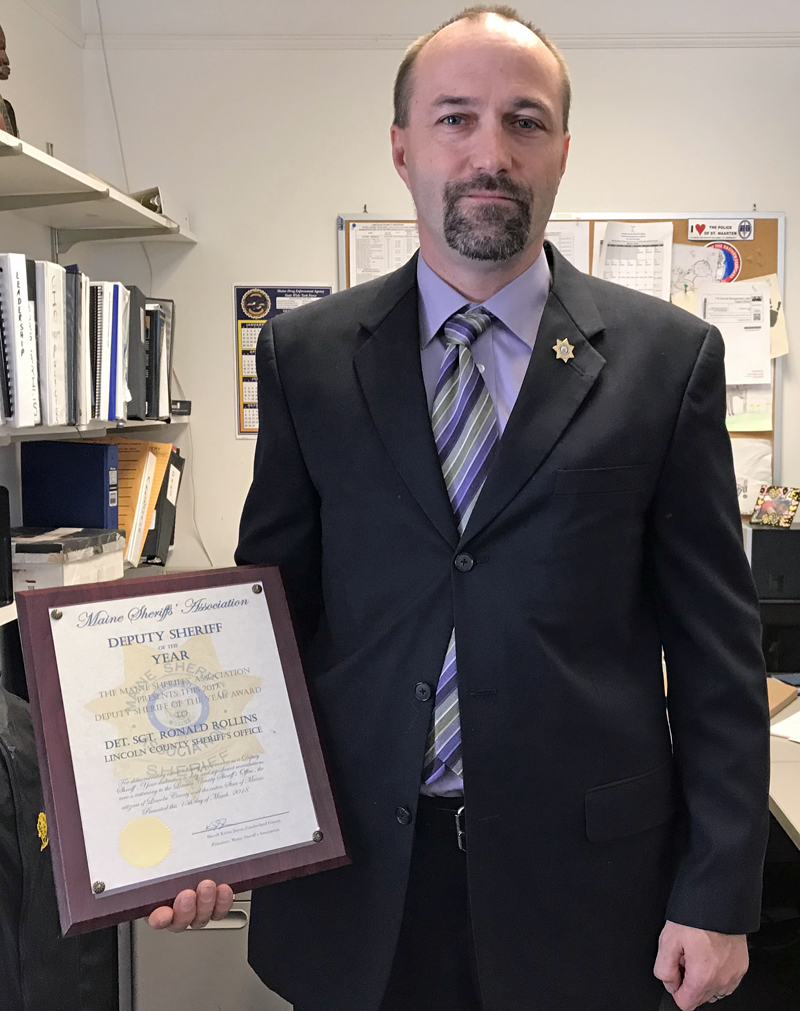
(696, 966)
(194, 909)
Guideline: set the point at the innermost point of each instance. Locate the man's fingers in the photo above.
(194, 908)
(668, 964)
(700, 987)
(160, 918)
(713, 963)
(206, 900)
(183, 910)
(224, 902)
(692, 993)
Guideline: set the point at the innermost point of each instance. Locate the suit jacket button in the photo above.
(464, 562)
(403, 815)
(422, 691)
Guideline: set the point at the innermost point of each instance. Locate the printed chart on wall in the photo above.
(370, 247)
(373, 245)
(254, 305)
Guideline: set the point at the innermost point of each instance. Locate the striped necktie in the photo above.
(466, 432)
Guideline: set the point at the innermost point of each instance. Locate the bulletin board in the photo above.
(760, 255)
(371, 244)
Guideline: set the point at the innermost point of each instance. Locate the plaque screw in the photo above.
(98, 887)
(317, 836)
(257, 588)
(56, 614)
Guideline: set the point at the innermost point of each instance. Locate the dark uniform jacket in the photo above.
(608, 526)
(39, 970)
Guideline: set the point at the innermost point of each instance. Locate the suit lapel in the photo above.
(551, 392)
(390, 374)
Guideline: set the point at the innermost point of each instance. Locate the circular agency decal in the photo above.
(733, 261)
(256, 303)
(745, 229)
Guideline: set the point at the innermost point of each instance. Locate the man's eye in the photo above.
(453, 120)
(527, 124)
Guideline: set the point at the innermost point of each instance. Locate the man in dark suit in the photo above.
(479, 476)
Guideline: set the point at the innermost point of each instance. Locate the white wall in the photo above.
(266, 142)
(381, 20)
(46, 89)
(266, 147)
(45, 49)
(46, 83)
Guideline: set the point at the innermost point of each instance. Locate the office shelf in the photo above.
(92, 430)
(80, 207)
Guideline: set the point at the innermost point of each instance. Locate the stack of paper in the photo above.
(788, 728)
(741, 312)
(637, 255)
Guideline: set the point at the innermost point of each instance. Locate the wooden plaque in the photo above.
(173, 725)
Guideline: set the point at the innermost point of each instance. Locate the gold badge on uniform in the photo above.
(41, 828)
(563, 350)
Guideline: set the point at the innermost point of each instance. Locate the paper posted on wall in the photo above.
(378, 247)
(752, 463)
(749, 408)
(740, 311)
(778, 335)
(255, 305)
(637, 255)
(571, 239)
(695, 265)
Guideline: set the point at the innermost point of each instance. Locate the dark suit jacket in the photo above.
(607, 527)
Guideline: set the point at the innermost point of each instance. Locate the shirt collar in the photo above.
(518, 305)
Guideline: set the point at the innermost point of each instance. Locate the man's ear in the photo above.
(565, 155)
(397, 137)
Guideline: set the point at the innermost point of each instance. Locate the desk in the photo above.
(784, 781)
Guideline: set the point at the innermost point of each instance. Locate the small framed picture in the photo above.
(775, 507)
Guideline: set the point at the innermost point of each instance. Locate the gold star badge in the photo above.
(563, 350)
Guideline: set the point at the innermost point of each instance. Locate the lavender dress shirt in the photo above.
(502, 354)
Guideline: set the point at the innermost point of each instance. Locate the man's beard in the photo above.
(492, 231)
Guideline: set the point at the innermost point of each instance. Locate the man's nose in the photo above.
(491, 152)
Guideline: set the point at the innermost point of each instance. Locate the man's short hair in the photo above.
(403, 82)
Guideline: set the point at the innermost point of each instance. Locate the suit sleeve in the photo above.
(711, 634)
(280, 521)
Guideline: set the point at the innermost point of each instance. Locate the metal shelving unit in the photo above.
(79, 207)
(92, 430)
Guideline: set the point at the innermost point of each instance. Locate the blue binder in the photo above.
(70, 484)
